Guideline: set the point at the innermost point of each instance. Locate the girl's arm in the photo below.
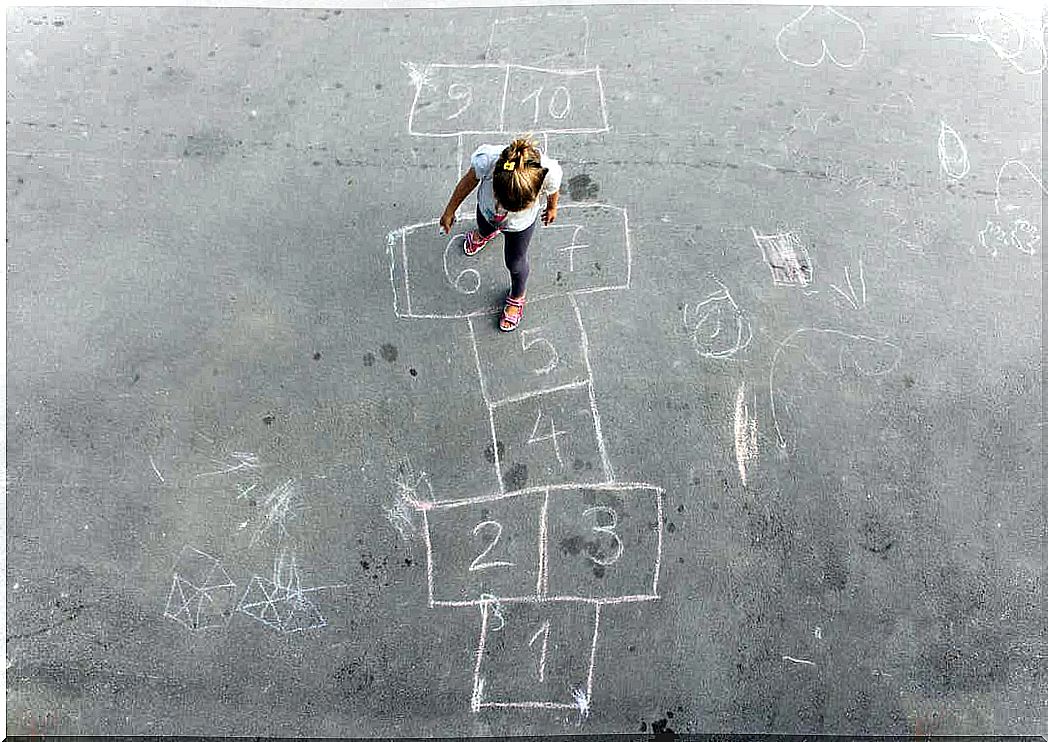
(465, 186)
(551, 208)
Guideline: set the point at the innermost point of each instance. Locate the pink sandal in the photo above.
(474, 243)
(509, 321)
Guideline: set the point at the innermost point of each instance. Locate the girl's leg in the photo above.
(517, 259)
(484, 227)
(481, 236)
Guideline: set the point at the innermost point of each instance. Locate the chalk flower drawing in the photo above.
(717, 326)
(202, 593)
(799, 43)
(953, 156)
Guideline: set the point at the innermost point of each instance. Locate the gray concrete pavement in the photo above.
(786, 337)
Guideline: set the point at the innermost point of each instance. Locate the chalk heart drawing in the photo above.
(717, 326)
(848, 354)
(819, 34)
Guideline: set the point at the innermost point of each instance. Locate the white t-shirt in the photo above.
(483, 164)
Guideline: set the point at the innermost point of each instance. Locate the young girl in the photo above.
(511, 181)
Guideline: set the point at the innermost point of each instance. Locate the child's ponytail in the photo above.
(518, 175)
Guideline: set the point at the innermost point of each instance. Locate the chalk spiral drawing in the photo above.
(847, 36)
(202, 592)
(717, 326)
(953, 155)
(529, 598)
(1010, 50)
(1011, 204)
(848, 344)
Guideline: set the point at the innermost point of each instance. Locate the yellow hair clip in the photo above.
(508, 165)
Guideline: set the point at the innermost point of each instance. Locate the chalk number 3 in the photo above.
(609, 529)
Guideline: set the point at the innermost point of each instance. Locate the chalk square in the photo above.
(547, 439)
(526, 39)
(484, 549)
(604, 543)
(453, 99)
(546, 353)
(586, 250)
(535, 655)
(786, 257)
(554, 101)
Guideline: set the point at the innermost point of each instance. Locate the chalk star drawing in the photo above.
(1007, 49)
(202, 593)
(281, 603)
(844, 28)
(715, 313)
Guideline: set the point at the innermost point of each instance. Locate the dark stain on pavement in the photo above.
(369, 359)
(389, 352)
(489, 452)
(582, 187)
(517, 477)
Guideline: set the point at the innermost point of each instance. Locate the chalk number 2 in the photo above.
(492, 526)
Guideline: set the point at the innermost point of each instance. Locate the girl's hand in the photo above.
(549, 216)
(446, 220)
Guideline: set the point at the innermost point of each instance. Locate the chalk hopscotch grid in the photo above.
(581, 697)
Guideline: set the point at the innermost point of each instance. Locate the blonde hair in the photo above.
(518, 175)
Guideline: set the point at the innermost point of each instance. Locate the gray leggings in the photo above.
(516, 253)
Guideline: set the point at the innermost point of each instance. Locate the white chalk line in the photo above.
(527, 491)
(605, 462)
(155, 470)
(542, 580)
(540, 599)
(745, 434)
(577, 384)
(787, 658)
(429, 555)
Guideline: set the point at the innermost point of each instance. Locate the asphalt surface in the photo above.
(772, 420)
